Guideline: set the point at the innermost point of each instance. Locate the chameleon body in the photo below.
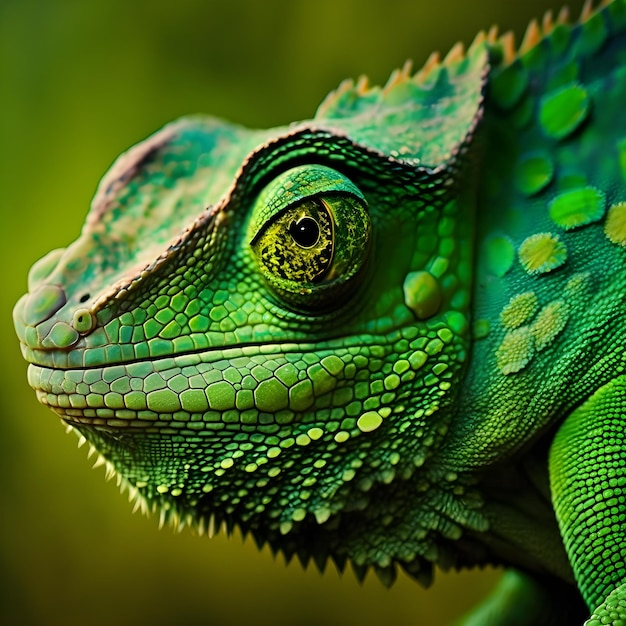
(390, 336)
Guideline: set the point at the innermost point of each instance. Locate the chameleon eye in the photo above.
(305, 231)
(310, 232)
(297, 245)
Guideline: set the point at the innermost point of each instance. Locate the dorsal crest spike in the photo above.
(587, 11)
(508, 46)
(492, 34)
(531, 38)
(344, 86)
(457, 52)
(563, 15)
(399, 76)
(547, 24)
(431, 62)
(479, 40)
(362, 85)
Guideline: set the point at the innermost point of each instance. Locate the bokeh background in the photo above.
(80, 82)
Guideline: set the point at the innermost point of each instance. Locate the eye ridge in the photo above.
(305, 231)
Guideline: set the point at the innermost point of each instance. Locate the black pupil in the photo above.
(305, 232)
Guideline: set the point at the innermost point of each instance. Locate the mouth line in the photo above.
(224, 352)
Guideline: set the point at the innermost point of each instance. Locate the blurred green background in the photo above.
(80, 82)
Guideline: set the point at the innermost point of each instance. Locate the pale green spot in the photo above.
(519, 309)
(434, 346)
(298, 515)
(303, 440)
(322, 515)
(273, 452)
(577, 207)
(541, 253)
(369, 421)
(342, 436)
(515, 351)
(422, 294)
(227, 463)
(162, 488)
(615, 225)
(392, 382)
(439, 369)
(533, 172)
(417, 359)
(549, 323)
(348, 475)
(563, 110)
(481, 328)
(445, 334)
(499, 254)
(401, 366)
(315, 433)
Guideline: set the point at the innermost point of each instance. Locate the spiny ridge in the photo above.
(534, 34)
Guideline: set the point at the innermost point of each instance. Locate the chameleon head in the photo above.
(281, 357)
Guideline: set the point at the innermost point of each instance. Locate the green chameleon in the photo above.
(391, 335)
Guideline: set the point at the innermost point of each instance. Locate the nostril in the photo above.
(43, 303)
(84, 297)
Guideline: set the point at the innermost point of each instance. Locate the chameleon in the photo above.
(388, 336)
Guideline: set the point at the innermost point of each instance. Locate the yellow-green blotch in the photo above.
(541, 253)
(515, 351)
(615, 225)
(519, 309)
(549, 323)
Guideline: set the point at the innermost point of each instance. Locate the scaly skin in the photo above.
(389, 335)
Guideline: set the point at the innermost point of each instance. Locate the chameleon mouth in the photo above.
(259, 388)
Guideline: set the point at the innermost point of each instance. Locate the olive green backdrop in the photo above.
(80, 81)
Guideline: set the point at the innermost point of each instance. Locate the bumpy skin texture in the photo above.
(391, 335)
